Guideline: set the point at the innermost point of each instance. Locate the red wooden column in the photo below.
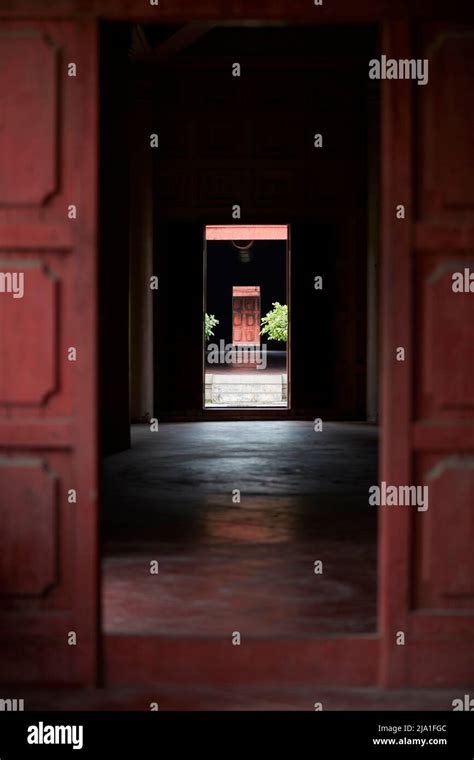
(396, 377)
(426, 558)
(48, 448)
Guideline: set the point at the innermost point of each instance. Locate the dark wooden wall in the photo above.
(249, 140)
(114, 239)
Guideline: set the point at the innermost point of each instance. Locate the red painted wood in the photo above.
(336, 661)
(247, 232)
(48, 441)
(32, 60)
(426, 585)
(442, 571)
(439, 646)
(344, 11)
(396, 320)
(246, 315)
(27, 484)
(448, 437)
(29, 375)
(429, 236)
(441, 662)
(54, 236)
(38, 659)
(36, 434)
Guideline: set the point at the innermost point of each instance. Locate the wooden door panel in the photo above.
(38, 528)
(31, 58)
(48, 455)
(246, 321)
(444, 536)
(427, 573)
(246, 315)
(33, 332)
(446, 107)
(445, 320)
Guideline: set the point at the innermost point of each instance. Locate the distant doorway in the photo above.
(246, 316)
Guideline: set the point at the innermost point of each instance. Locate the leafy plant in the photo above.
(209, 324)
(275, 322)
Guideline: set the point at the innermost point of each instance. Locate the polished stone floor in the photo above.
(251, 698)
(227, 565)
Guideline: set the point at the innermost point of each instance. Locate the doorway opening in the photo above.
(246, 316)
(213, 519)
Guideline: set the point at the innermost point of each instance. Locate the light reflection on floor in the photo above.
(250, 565)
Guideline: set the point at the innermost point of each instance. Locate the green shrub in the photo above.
(275, 322)
(209, 323)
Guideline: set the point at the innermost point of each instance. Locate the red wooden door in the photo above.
(48, 450)
(427, 560)
(246, 315)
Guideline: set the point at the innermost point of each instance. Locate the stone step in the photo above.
(240, 399)
(242, 390)
(255, 378)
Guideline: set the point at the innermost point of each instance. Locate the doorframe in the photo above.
(396, 387)
(250, 413)
(340, 660)
(372, 659)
